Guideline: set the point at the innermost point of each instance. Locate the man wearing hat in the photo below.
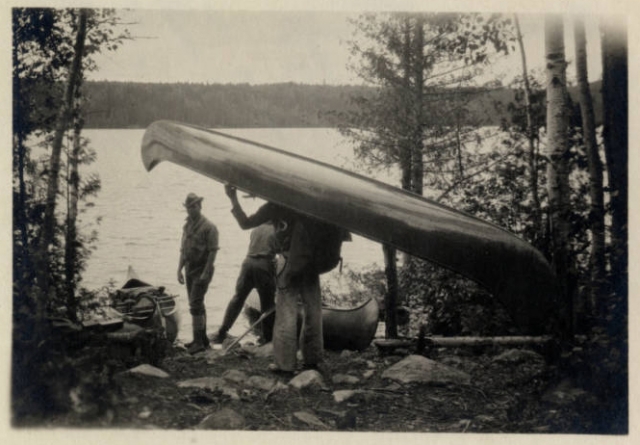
(198, 250)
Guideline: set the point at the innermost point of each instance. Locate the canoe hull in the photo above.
(352, 328)
(510, 268)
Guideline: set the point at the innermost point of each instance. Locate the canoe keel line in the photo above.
(507, 266)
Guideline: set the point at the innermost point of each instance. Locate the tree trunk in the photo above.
(557, 170)
(616, 143)
(71, 243)
(406, 160)
(532, 135)
(417, 163)
(391, 299)
(513, 340)
(20, 210)
(406, 149)
(48, 230)
(597, 261)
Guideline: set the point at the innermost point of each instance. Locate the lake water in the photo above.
(142, 216)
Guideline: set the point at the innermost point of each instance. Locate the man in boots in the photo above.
(198, 251)
(257, 272)
(296, 280)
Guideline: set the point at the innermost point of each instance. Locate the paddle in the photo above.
(235, 342)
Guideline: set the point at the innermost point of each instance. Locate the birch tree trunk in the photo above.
(557, 170)
(64, 116)
(71, 242)
(596, 193)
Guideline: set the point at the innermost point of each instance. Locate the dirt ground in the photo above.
(502, 397)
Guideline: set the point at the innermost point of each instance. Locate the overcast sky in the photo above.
(232, 46)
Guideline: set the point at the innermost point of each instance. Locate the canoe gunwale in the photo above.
(349, 309)
(507, 266)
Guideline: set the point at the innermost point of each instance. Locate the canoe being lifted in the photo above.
(510, 268)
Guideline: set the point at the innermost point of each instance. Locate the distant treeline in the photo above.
(289, 105)
(136, 105)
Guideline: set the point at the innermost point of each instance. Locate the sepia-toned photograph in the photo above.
(307, 217)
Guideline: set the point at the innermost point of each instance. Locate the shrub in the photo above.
(449, 304)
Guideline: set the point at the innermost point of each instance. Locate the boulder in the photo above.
(343, 395)
(308, 379)
(150, 371)
(224, 419)
(212, 383)
(345, 379)
(279, 386)
(265, 383)
(416, 368)
(310, 419)
(265, 350)
(356, 395)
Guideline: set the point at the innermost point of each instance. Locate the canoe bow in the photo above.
(507, 266)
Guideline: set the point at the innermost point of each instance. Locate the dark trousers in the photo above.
(259, 274)
(196, 291)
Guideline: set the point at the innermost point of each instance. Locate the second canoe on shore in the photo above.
(342, 328)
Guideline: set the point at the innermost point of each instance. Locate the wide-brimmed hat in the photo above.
(192, 199)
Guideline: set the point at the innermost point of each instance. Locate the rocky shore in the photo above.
(453, 390)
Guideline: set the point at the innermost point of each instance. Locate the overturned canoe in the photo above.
(509, 267)
(342, 328)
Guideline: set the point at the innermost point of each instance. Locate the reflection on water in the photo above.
(142, 215)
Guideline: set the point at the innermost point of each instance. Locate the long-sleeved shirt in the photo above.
(268, 212)
(199, 238)
(291, 238)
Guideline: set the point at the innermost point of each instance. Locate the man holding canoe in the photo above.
(257, 272)
(198, 251)
(296, 280)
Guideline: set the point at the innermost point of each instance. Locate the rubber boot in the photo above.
(205, 339)
(199, 334)
(193, 325)
(220, 336)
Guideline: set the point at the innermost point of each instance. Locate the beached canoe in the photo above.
(139, 301)
(342, 328)
(511, 269)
